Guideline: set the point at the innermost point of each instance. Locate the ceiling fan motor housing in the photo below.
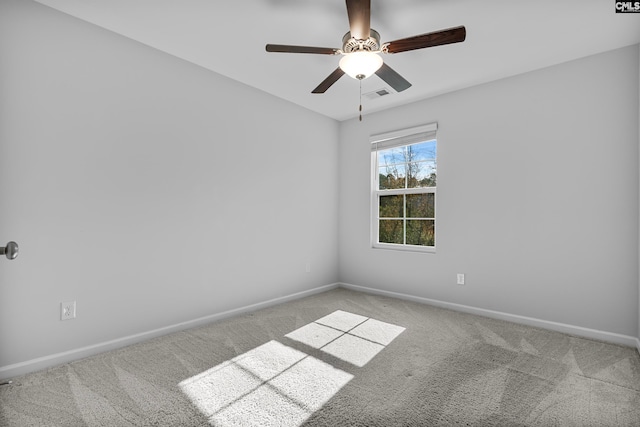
(372, 44)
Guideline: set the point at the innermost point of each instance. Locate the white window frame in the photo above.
(393, 139)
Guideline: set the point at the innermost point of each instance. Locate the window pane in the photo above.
(391, 231)
(421, 232)
(421, 205)
(421, 174)
(391, 177)
(391, 156)
(422, 151)
(391, 206)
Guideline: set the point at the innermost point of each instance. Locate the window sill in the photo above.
(405, 248)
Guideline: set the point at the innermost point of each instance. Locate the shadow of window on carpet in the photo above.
(276, 385)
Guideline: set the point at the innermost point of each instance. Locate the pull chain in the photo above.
(360, 99)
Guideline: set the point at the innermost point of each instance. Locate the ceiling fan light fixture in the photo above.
(360, 64)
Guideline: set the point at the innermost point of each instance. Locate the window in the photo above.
(404, 189)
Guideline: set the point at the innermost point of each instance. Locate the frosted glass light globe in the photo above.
(360, 64)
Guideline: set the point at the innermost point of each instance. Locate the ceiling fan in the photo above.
(361, 48)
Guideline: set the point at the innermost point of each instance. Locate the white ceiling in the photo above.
(504, 38)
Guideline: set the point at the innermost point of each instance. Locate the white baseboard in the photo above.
(579, 331)
(10, 371)
(33, 365)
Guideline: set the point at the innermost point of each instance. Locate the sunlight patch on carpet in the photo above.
(276, 385)
(353, 338)
(353, 349)
(315, 335)
(271, 385)
(342, 320)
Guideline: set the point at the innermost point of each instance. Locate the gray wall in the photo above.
(154, 192)
(146, 188)
(537, 196)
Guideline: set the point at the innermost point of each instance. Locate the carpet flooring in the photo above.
(340, 358)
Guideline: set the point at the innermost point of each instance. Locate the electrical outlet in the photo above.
(308, 267)
(67, 310)
(460, 279)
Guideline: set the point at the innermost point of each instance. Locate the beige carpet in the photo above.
(340, 358)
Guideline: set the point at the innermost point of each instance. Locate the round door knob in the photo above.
(10, 250)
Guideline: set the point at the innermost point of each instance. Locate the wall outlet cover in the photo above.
(67, 310)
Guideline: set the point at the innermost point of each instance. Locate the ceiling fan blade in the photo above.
(329, 81)
(393, 79)
(359, 12)
(437, 38)
(284, 48)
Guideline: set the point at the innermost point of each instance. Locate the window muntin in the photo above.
(404, 190)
